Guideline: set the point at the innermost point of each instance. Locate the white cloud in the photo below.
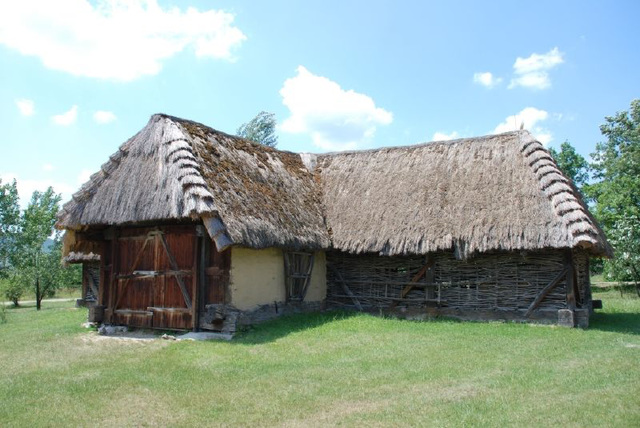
(26, 107)
(486, 79)
(441, 136)
(47, 167)
(103, 117)
(26, 187)
(530, 117)
(336, 119)
(67, 118)
(537, 62)
(114, 39)
(533, 71)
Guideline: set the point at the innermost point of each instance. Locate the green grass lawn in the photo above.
(325, 369)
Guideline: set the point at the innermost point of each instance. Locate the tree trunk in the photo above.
(38, 294)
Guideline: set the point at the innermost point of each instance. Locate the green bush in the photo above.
(13, 290)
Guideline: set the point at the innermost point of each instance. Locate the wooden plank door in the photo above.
(174, 294)
(155, 277)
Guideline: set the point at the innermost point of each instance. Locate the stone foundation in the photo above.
(563, 317)
(226, 318)
(428, 313)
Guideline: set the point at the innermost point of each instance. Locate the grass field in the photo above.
(325, 369)
(62, 293)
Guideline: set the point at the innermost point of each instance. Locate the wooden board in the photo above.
(153, 274)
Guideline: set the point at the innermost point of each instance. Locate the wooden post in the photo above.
(114, 272)
(198, 259)
(430, 278)
(105, 267)
(307, 281)
(588, 298)
(571, 282)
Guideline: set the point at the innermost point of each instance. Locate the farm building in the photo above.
(197, 229)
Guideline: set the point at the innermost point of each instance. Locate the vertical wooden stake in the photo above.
(114, 272)
(102, 284)
(571, 295)
(195, 279)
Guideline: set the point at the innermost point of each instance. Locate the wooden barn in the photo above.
(197, 229)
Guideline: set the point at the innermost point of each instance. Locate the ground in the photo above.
(325, 369)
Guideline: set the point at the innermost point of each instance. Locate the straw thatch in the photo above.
(500, 192)
(175, 169)
(78, 257)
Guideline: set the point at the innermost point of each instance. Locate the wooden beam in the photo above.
(543, 293)
(195, 280)
(572, 296)
(308, 274)
(103, 286)
(114, 269)
(345, 287)
(141, 274)
(287, 278)
(174, 265)
(412, 284)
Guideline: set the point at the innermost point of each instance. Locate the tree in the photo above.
(9, 218)
(625, 237)
(616, 166)
(571, 163)
(616, 193)
(261, 129)
(34, 265)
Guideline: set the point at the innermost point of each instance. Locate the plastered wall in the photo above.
(257, 277)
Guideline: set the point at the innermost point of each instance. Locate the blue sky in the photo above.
(78, 78)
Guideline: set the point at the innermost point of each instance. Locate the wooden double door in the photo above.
(162, 277)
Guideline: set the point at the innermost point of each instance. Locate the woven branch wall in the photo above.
(507, 281)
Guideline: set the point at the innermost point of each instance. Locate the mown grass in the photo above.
(325, 369)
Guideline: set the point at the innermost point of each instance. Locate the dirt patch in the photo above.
(134, 338)
(142, 407)
(337, 411)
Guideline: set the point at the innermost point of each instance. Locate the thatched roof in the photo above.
(500, 192)
(78, 257)
(247, 194)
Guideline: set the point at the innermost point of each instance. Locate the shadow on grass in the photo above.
(275, 329)
(619, 323)
(280, 327)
